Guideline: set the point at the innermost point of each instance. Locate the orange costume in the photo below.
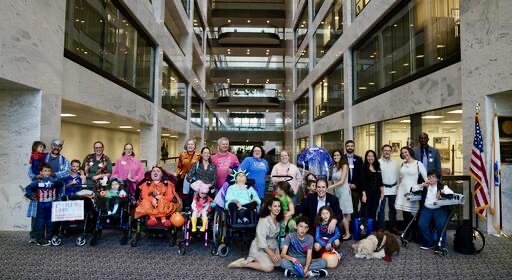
(167, 202)
(185, 162)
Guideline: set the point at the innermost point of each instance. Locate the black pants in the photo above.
(356, 198)
(372, 206)
(236, 213)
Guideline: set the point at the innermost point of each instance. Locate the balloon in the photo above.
(315, 159)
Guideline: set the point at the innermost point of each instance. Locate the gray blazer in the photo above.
(434, 159)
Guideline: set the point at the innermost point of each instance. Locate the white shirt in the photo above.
(390, 175)
(432, 195)
(321, 202)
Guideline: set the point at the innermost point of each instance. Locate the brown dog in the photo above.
(389, 243)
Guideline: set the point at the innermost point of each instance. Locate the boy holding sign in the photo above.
(44, 190)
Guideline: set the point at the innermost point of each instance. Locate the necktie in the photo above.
(350, 164)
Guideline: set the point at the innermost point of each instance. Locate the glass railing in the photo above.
(269, 30)
(249, 64)
(241, 92)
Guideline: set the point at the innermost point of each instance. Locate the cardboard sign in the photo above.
(67, 210)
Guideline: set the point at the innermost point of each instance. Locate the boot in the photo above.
(203, 227)
(194, 224)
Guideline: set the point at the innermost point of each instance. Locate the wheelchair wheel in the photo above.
(81, 241)
(404, 242)
(223, 250)
(219, 220)
(478, 240)
(213, 251)
(56, 241)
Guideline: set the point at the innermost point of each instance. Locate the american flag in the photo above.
(478, 172)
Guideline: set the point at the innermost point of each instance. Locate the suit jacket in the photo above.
(355, 178)
(434, 159)
(309, 207)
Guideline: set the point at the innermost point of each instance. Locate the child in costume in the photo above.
(37, 158)
(44, 190)
(324, 239)
(112, 194)
(241, 199)
(201, 205)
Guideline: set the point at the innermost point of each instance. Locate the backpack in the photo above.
(463, 241)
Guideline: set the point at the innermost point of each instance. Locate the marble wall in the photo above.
(486, 43)
(20, 117)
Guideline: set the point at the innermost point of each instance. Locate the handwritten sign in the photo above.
(67, 210)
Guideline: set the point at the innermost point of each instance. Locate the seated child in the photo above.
(111, 195)
(74, 181)
(284, 193)
(433, 213)
(297, 253)
(44, 190)
(201, 205)
(241, 199)
(324, 239)
(310, 184)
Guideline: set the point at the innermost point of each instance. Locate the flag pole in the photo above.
(477, 113)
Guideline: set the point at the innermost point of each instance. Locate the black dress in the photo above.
(371, 182)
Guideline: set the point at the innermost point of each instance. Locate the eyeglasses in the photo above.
(97, 148)
(386, 150)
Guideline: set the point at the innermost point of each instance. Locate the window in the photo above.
(418, 39)
(301, 144)
(195, 109)
(302, 27)
(198, 25)
(330, 140)
(186, 6)
(329, 30)
(360, 5)
(302, 66)
(317, 4)
(444, 129)
(365, 138)
(101, 37)
(328, 93)
(301, 110)
(174, 89)
(396, 133)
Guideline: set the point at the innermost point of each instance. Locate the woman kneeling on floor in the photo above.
(264, 252)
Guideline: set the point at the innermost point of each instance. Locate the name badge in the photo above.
(351, 166)
(431, 159)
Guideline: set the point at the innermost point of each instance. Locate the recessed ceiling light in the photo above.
(100, 122)
(166, 134)
(229, 20)
(362, 87)
(67, 115)
(459, 111)
(268, 21)
(174, 136)
(266, 110)
(405, 121)
(248, 21)
(125, 126)
(450, 122)
(138, 130)
(432, 117)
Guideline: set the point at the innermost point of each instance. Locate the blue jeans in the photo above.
(392, 211)
(439, 216)
(316, 264)
(44, 220)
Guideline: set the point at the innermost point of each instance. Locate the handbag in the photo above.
(362, 227)
(186, 183)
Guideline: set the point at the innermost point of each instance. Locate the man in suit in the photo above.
(428, 155)
(315, 201)
(355, 164)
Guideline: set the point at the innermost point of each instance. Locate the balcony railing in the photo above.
(250, 127)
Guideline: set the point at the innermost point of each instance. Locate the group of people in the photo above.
(356, 186)
(314, 211)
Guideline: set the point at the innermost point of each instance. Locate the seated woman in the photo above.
(158, 199)
(264, 252)
(241, 199)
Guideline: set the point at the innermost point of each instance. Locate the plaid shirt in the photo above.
(197, 172)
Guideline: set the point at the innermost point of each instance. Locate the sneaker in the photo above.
(427, 247)
(44, 242)
(289, 273)
(245, 221)
(317, 273)
(32, 241)
(438, 250)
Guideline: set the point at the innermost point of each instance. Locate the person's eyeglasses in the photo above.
(386, 150)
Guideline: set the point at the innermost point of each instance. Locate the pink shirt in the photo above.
(124, 165)
(223, 162)
(287, 169)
